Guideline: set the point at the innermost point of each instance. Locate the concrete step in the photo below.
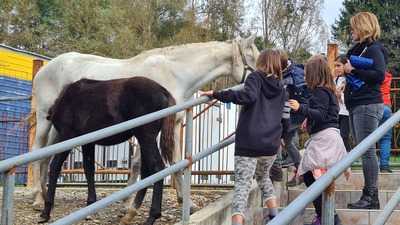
(343, 197)
(353, 217)
(386, 181)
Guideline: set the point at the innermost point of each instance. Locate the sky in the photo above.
(331, 11)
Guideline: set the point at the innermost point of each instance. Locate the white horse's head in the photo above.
(245, 54)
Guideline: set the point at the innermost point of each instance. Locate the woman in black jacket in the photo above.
(364, 101)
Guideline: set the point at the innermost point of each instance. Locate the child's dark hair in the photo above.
(318, 73)
(342, 59)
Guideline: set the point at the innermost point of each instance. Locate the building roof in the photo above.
(25, 52)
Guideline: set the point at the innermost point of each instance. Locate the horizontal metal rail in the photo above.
(311, 193)
(127, 171)
(126, 192)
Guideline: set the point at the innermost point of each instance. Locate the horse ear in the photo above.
(247, 42)
(250, 40)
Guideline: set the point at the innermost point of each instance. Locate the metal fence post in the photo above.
(187, 172)
(8, 192)
(328, 205)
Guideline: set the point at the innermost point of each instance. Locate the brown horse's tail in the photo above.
(167, 142)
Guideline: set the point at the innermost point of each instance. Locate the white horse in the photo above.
(182, 70)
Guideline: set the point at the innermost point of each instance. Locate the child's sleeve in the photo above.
(245, 96)
(285, 117)
(317, 108)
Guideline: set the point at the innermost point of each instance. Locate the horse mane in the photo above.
(171, 50)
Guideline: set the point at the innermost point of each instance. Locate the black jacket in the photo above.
(296, 88)
(369, 93)
(322, 110)
(259, 128)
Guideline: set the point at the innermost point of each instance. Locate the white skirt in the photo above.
(322, 151)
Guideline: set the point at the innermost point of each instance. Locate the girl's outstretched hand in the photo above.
(293, 104)
(206, 93)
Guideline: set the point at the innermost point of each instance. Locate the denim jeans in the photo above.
(290, 144)
(364, 119)
(386, 141)
(344, 126)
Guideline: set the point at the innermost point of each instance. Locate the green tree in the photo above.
(223, 17)
(388, 15)
(114, 28)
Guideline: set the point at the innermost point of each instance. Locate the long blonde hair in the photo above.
(269, 62)
(366, 25)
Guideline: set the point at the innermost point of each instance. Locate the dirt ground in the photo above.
(71, 199)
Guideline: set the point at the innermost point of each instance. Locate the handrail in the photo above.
(7, 167)
(387, 211)
(126, 192)
(312, 192)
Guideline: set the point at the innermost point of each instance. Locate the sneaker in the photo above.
(386, 170)
(295, 181)
(287, 162)
(316, 221)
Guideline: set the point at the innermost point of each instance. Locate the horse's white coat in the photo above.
(182, 70)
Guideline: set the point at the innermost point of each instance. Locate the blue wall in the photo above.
(13, 127)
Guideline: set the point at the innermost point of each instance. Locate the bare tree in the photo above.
(291, 24)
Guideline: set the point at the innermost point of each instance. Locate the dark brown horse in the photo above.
(89, 105)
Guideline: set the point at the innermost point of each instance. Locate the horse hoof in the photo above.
(180, 200)
(127, 219)
(38, 206)
(43, 219)
(89, 218)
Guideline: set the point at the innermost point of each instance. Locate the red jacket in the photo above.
(385, 89)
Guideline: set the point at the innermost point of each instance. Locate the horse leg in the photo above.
(44, 164)
(152, 159)
(134, 173)
(42, 130)
(88, 167)
(136, 202)
(177, 156)
(55, 169)
(178, 176)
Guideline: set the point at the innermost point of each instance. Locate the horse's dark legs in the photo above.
(89, 167)
(54, 173)
(145, 172)
(152, 163)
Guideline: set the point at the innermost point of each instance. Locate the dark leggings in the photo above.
(344, 125)
(309, 180)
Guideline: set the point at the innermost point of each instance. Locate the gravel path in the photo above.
(71, 199)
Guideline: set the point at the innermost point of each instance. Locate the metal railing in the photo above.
(7, 167)
(323, 184)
